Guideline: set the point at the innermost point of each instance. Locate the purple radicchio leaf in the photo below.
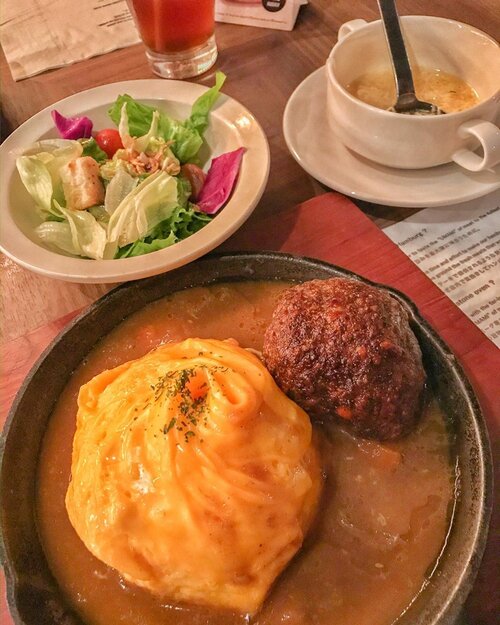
(72, 127)
(220, 181)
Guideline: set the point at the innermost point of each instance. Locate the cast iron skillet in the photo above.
(33, 594)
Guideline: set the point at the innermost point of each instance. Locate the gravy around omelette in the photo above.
(382, 518)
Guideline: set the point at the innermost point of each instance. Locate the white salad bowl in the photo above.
(231, 126)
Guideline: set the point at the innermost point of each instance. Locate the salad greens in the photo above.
(187, 136)
(149, 203)
(80, 234)
(182, 223)
(198, 120)
(91, 148)
(134, 198)
(39, 170)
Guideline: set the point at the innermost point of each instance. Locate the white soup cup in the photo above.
(412, 141)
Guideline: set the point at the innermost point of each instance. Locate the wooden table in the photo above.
(263, 68)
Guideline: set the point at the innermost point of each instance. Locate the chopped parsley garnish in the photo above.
(167, 428)
(191, 408)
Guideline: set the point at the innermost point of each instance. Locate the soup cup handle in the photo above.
(488, 136)
(349, 27)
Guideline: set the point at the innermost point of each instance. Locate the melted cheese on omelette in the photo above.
(193, 474)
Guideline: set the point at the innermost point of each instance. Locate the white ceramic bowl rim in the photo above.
(412, 119)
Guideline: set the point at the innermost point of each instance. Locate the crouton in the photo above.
(81, 183)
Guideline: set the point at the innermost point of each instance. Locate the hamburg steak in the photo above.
(341, 348)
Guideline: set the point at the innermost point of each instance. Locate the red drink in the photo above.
(170, 26)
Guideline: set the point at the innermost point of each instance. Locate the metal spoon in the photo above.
(407, 102)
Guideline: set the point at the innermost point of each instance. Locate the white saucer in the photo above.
(317, 149)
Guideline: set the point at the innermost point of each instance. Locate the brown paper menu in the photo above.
(37, 35)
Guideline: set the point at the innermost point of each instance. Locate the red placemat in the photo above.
(331, 228)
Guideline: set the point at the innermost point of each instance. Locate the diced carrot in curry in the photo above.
(382, 456)
(344, 412)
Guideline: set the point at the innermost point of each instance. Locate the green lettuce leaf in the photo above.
(109, 168)
(186, 142)
(143, 247)
(139, 144)
(37, 180)
(117, 190)
(198, 120)
(183, 222)
(80, 234)
(183, 191)
(139, 115)
(187, 136)
(187, 221)
(39, 170)
(91, 148)
(147, 205)
(57, 234)
(100, 213)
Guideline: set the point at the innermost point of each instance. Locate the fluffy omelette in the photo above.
(193, 474)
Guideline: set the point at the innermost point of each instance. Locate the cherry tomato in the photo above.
(196, 178)
(109, 141)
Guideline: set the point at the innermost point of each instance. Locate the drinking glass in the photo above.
(178, 35)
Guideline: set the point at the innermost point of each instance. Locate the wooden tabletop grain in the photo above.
(263, 68)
